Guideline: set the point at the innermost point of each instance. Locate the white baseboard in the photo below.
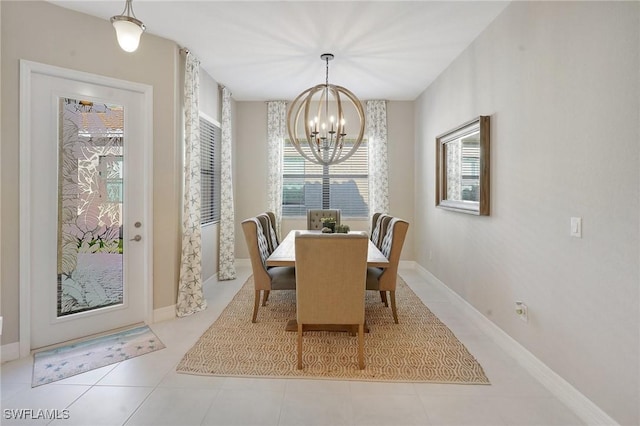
(10, 352)
(582, 406)
(164, 314)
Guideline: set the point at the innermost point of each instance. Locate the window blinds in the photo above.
(343, 186)
(210, 136)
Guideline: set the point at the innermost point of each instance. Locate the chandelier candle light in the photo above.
(128, 28)
(325, 133)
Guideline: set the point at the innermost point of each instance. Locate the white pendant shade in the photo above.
(128, 28)
(128, 34)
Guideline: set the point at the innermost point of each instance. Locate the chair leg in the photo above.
(265, 297)
(383, 297)
(361, 346)
(256, 303)
(299, 346)
(392, 293)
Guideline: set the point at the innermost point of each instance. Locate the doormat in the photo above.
(80, 357)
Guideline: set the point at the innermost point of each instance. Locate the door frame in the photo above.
(27, 70)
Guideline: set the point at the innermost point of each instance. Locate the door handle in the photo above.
(136, 238)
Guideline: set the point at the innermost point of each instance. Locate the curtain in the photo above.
(190, 294)
(276, 131)
(378, 163)
(227, 242)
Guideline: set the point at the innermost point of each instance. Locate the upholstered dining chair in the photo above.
(314, 217)
(331, 270)
(264, 279)
(384, 280)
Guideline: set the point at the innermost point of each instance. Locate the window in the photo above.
(210, 136)
(343, 186)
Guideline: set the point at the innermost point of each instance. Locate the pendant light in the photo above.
(316, 122)
(128, 28)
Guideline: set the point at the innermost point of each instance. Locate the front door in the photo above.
(86, 267)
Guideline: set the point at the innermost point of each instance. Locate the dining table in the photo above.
(285, 255)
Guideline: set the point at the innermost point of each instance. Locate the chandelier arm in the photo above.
(293, 136)
(359, 109)
(317, 148)
(337, 146)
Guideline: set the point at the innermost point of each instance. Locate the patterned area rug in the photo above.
(66, 361)
(419, 349)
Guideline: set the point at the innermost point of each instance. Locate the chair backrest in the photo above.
(391, 247)
(331, 272)
(380, 229)
(374, 221)
(269, 230)
(258, 251)
(272, 218)
(314, 217)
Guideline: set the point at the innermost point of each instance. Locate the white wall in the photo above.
(251, 170)
(561, 83)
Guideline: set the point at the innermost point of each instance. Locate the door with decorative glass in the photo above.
(87, 209)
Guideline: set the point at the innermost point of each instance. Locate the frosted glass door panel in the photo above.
(90, 205)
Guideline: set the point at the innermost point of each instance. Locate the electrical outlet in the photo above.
(522, 311)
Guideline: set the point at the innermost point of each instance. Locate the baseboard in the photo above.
(164, 314)
(10, 352)
(582, 406)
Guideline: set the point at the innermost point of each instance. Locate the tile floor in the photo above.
(147, 391)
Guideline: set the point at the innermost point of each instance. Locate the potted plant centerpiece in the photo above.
(330, 223)
(342, 229)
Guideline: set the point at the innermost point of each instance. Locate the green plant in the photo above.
(326, 220)
(343, 229)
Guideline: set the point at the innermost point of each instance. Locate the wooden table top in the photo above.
(285, 253)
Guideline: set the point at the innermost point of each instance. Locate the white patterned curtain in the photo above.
(190, 295)
(378, 162)
(227, 243)
(276, 131)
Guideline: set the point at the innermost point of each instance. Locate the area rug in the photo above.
(80, 357)
(419, 349)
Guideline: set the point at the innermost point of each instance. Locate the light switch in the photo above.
(576, 227)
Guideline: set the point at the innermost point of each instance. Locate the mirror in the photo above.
(462, 168)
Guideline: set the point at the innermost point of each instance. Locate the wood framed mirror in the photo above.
(462, 167)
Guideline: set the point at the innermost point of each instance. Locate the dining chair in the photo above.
(264, 279)
(384, 279)
(314, 217)
(331, 271)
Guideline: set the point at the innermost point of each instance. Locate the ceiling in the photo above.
(270, 50)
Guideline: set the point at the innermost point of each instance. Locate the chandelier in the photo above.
(128, 28)
(325, 139)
